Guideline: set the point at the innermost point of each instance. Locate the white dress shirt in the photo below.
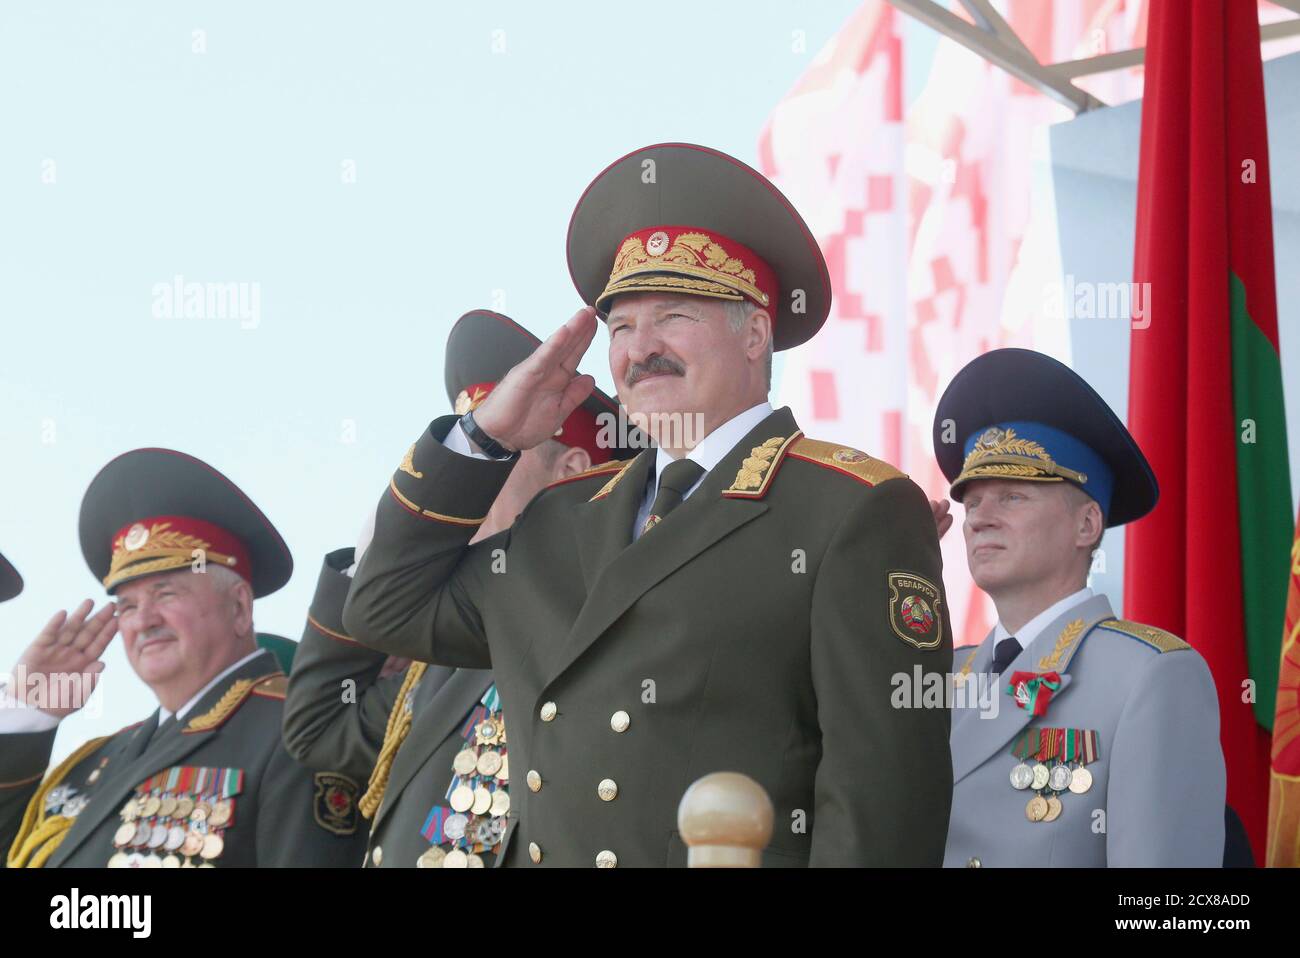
(18, 717)
(1031, 629)
(708, 452)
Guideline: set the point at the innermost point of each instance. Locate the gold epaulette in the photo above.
(40, 835)
(226, 706)
(608, 487)
(399, 726)
(273, 686)
(603, 469)
(1158, 639)
(843, 459)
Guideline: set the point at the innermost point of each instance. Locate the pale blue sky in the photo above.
(225, 166)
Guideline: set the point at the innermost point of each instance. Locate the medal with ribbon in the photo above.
(1033, 690)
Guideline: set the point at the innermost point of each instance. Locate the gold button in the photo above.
(535, 852)
(606, 859)
(607, 789)
(974, 863)
(619, 721)
(377, 856)
(534, 780)
(548, 711)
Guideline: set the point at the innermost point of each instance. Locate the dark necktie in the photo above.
(1003, 653)
(676, 480)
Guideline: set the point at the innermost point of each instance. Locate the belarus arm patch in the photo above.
(335, 803)
(914, 610)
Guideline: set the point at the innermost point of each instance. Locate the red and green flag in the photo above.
(1205, 380)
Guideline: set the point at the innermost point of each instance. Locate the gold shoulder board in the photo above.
(844, 459)
(1158, 639)
(273, 686)
(614, 465)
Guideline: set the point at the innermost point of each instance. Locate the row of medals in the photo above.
(1059, 778)
(479, 816)
(157, 831)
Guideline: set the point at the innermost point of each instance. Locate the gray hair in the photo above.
(224, 581)
(738, 313)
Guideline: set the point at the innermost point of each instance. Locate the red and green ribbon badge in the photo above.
(1033, 690)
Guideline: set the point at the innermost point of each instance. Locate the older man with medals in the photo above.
(204, 780)
(432, 741)
(1094, 741)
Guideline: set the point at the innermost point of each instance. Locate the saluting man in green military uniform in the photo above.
(433, 742)
(1103, 748)
(204, 780)
(741, 597)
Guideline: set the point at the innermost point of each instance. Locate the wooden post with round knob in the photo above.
(725, 819)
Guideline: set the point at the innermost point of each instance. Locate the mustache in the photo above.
(161, 632)
(657, 364)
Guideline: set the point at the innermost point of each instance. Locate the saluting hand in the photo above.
(59, 671)
(536, 396)
(942, 520)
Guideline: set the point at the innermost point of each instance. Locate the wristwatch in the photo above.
(476, 435)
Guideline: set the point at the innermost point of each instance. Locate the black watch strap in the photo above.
(492, 448)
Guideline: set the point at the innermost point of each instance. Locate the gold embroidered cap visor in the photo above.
(708, 225)
(149, 510)
(11, 583)
(483, 346)
(1018, 414)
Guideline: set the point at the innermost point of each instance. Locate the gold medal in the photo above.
(1080, 780)
(465, 761)
(1036, 810)
(151, 806)
(489, 762)
(1053, 809)
(456, 859)
(221, 813)
(482, 800)
(487, 732)
(500, 803)
(1041, 775)
(473, 861)
(212, 846)
(192, 845)
(462, 799)
(184, 805)
(432, 858)
(201, 812)
(503, 773)
(167, 808)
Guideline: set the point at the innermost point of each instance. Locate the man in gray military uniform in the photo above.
(203, 780)
(1078, 739)
(412, 735)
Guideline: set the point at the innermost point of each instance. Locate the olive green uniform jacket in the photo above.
(283, 815)
(338, 710)
(764, 627)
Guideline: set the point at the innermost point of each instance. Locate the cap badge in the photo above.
(136, 537)
(657, 244)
